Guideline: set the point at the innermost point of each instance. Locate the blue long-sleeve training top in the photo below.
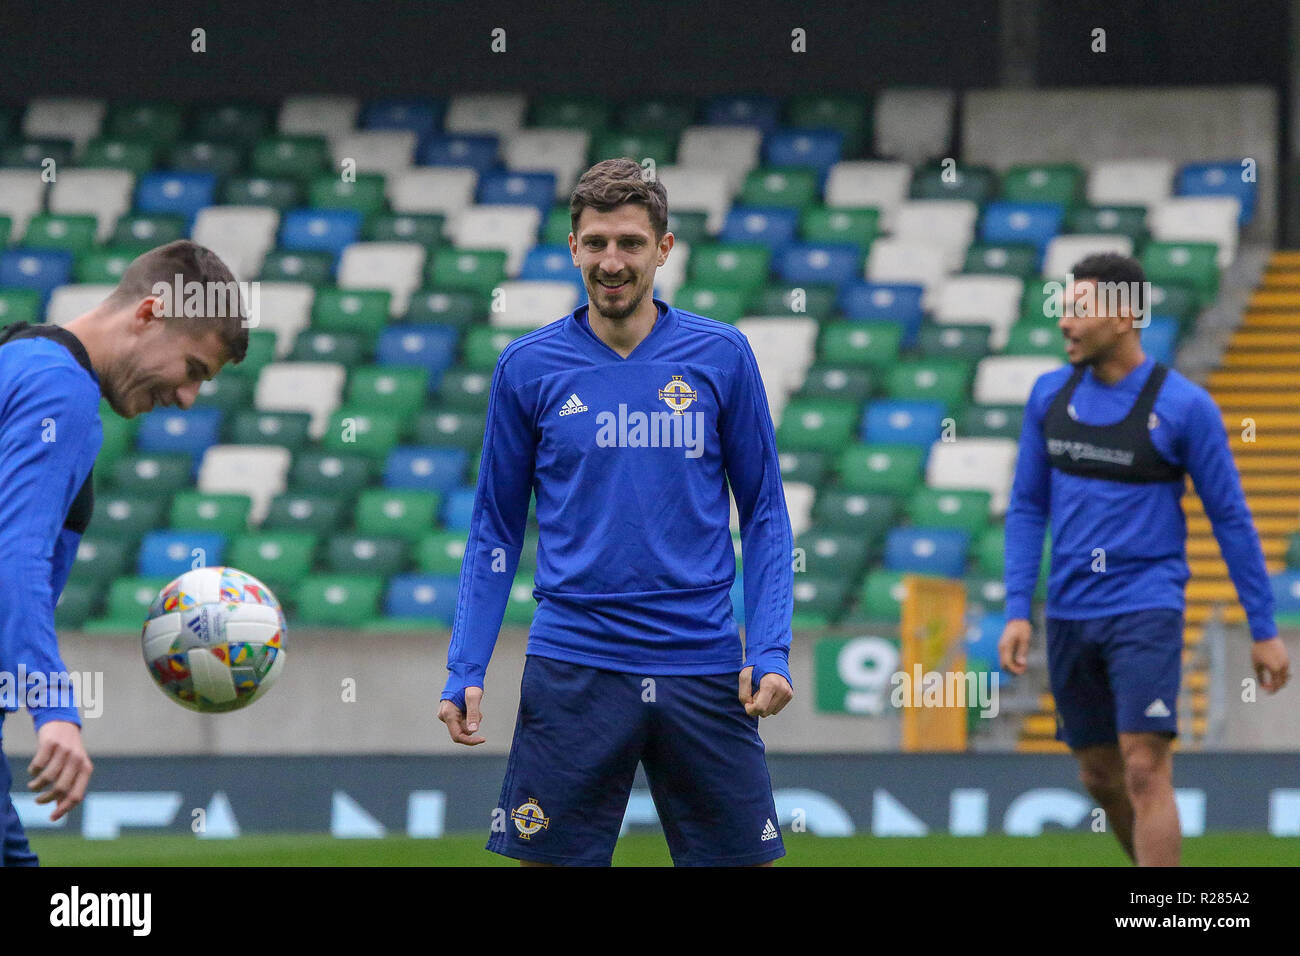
(50, 434)
(1136, 532)
(630, 461)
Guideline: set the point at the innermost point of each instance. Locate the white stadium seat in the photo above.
(784, 348)
(79, 120)
(1130, 182)
(1199, 219)
(799, 498)
(395, 266)
(559, 151)
(1008, 379)
(69, 301)
(493, 226)
(908, 261)
(259, 471)
(433, 189)
(531, 304)
(386, 151)
(240, 235)
(103, 193)
(499, 113)
(861, 182)
(22, 195)
(671, 276)
(283, 308)
(949, 223)
(695, 188)
(318, 115)
(981, 300)
(733, 149)
(1064, 251)
(914, 125)
(312, 387)
(977, 464)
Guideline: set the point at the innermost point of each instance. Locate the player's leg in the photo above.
(578, 739)
(14, 848)
(1101, 771)
(708, 774)
(1145, 659)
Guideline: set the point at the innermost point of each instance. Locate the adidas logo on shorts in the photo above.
(769, 832)
(573, 406)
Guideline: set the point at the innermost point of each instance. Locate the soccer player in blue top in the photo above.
(138, 350)
(629, 419)
(1105, 445)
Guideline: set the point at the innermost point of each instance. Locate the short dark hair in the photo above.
(1111, 267)
(613, 182)
(186, 261)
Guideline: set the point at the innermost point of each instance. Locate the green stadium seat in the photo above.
(817, 425)
(360, 431)
(1041, 337)
(101, 559)
(125, 517)
(119, 436)
(528, 553)
(277, 558)
(819, 601)
(944, 380)
(19, 305)
(818, 302)
(342, 475)
(639, 145)
(842, 382)
(106, 264)
(366, 554)
(669, 114)
(808, 467)
(128, 602)
(858, 225)
(1045, 182)
(1128, 221)
(449, 428)
(966, 342)
(986, 593)
(937, 508)
(278, 192)
(361, 311)
(440, 552)
(467, 270)
(346, 348)
(881, 469)
(978, 184)
(1180, 301)
(261, 352)
(106, 152)
(794, 187)
(590, 113)
(230, 393)
(290, 157)
(365, 194)
(730, 265)
(75, 234)
(831, 554)
(198, 511)
(237, 123)
(860, 344)
(393, 388)
(151, 474)
(881, 596)
(690, 226)
(75, 605)
(206, 156)
(6, 227)
(306, 513)
(989, 554)
(867, 516)
(464, 390)
(147, 229)
(282, 265)
(851, 116)
(556, 226)
(424, 228)
(458, 309)
(338, 600)
(1192, 264)
(990, 421)
(482, 346)
(1011, 259)
(521, 604)
(717, 302)
(155, 121)
(393, 513)
(1042, 300)
(33, 153)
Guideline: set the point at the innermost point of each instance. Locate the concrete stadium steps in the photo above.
(1259, 380)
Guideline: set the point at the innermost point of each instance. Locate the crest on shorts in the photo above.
(678, 395)
(529, 818)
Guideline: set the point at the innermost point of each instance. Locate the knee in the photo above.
(1145, 776)
(1102, 783)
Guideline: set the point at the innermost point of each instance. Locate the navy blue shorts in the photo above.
(14, 849)
(1113, 675)
(578, 738)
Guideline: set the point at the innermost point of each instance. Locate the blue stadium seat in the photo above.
(551, 264)
(1160, 338)
(431, 347)
(175, 194)
(1286, 591)
(518, 189)
(936, 551)
(885, 302)
(423, 595)
(765, 225)
(178, 431)
(426, 469)
(900, 422)
(458, 509)
(982, 639)
(819, 149)
(821, 263)
(169, 554)
(1034, 223)
(320, 230)
(1218, 179)
(41, 269)
(477, 150)
(421, 116)
(760, 111)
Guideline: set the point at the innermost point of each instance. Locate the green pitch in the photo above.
(1053, 849)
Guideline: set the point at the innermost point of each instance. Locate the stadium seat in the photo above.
(1109, 220)
(1064, 252)
(562, 153)
(770, 226)
(977, 464)
(128, 602)
(312, 387)
(941, 380)
(476, 151)
(787, 299)
(104, 193)
(22, 196)
(947, 180)
(895, 422)
(1060, 183)
(790, 187)
(386, 151)
(730, 265)
(1008, 259)
(1008, 379)
(366, 554)
(1040, 337)
(848, 115)
(455, 309)
(291, 430)
(431, 348)
(318, 115)
(914, 124)
(990, 421)
(532, 304)
(966, 342)
(277, 558)
(703, 189)
(458, 510)
(949, 223)
(447, 428)
(69, 301)
(133, 157)
(283, 308)
(425, 229)
(498, 113)
(1131, 182)
(731, 149)
(442, 190)
(551, 263)
(819, 149)
(783, 348)
(818, 601)
(75, 119)
(1193, 264)
(859, 344)
(881, 595)
(341, 348)
(1199, 219)
(101, 559)
(42, 271)
(934, 551)
(395, 389)
(319, 230)
(507, 187)
(482, 346)
(396, 267)
(909, 262)
(816, 425)
(420, 116)
(990, 300)
(879, 185)
(830, 264)
(510, 228)
(440, 552)
(1219, 179)
(33, 152)
(841, 382)
(1032, 223)
(74, 234)
(762, 112)
(880, 469)
(464, 390)
(642, 144)
(361, 431)
(124, 517)
(831, 554)
(224, 514)
(362, 193)
(180, 194)
(240, 235)
(160, 474)
(301, 157)
(313, 268)
(258, 471)
(197, 156)
(424, 596)
(179, 431)
(824, 224)
(338, 600)
(306, 513)
(806, 467)
(19, 305)
(167, 554)
(426, 469)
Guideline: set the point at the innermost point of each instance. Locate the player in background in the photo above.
(1105, 445)
(51, 381)
(629, 418)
